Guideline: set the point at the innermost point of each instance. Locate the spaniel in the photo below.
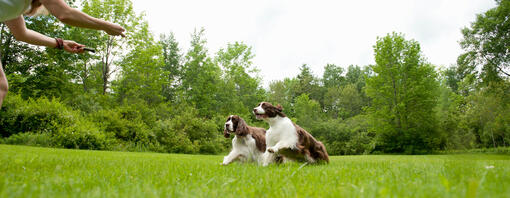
(288, 139)
(248, 144)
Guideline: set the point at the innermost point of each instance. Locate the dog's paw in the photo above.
(272, 150)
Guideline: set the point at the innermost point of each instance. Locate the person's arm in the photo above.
(21, 33)
(74, 17)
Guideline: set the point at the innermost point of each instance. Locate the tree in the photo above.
(143, 75)
(308, 111)
(200, 77)
(283, 92)
(332, 76)
(404, 94)
(308, 84)
(241, 90)
(487, 43)
(109, 48)
(172, 58)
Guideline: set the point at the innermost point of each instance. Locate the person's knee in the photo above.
(4, 88)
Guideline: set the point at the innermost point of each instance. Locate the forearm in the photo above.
(77, 18)
(35, 38)
(72, 16)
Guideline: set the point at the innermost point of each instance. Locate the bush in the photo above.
(37, 116)
(81, 135)
(30, 139)
(35, 121)
(124, 126)
(346, 137)
(173, 141)
(202, 133)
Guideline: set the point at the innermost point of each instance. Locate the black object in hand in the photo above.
(89, 50)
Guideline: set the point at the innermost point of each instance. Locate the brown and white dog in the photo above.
(248, 144)
(288, 139)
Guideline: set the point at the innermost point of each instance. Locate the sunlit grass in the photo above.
(45, 172)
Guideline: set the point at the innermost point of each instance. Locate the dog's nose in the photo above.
(227, 125)
(255, 110)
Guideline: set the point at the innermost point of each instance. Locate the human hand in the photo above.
(115, 30)
(73, 47)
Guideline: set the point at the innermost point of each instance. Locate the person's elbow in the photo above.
(65, 16)
(20, 36)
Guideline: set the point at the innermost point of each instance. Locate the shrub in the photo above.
(203, 133)
(37, 116)
(171, 140)
(81, 135)
(124, 126)
(30, 139)
(35, 121)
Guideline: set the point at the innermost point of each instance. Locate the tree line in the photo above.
(146, 94)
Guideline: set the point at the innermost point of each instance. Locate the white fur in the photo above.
(259, 109)
(281, 134)
(230, 124)
(243, 149)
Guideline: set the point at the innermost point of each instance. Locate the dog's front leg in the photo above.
(267, 158)
(233, 155)
(281, 145)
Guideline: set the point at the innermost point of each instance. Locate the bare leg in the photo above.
(4, 86)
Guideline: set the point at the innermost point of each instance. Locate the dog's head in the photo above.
(235, 124)
(267, 110)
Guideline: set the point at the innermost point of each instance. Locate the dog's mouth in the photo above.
(228, 129)
(260, 116)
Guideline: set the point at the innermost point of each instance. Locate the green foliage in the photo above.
(240, 91)
(487, 115)
(346, 137)
(143, 77)
(308, 111)
(172, 59)
(171, 140)
(49, 120)
(142, 94)
(200, 77)
(487, 43)
(404, 95)
(332, 76)
(30, 139)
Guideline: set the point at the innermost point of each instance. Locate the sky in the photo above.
(285, 34)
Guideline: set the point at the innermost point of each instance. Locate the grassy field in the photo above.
(45, 172)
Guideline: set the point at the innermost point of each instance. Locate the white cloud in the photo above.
(285, 34)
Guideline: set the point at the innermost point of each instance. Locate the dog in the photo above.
(249, 143)
(288, 139)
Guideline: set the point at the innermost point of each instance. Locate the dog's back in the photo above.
(308, 144)
(259, 134)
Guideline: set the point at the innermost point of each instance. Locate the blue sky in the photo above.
(285, 34)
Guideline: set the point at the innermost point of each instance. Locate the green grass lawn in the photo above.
(46, 172)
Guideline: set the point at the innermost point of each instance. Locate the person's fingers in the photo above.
(73, 47)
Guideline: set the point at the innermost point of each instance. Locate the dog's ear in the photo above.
(279, 108)
(225, 133)
(242, 127)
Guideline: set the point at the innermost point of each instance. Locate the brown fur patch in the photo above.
(242, 129)
(308, 145)
(272, 111)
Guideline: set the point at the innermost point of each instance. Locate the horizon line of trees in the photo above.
(146, 94)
